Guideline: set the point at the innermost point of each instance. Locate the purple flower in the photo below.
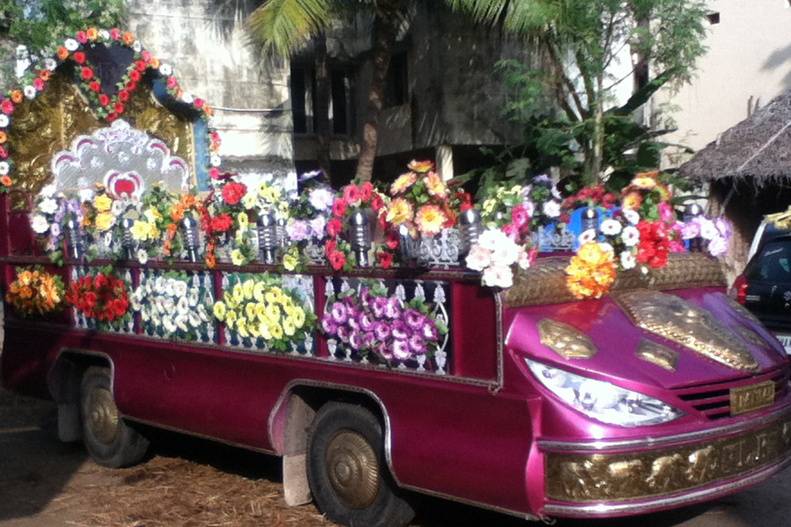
(383, 351)
(344, 333)
(401, 349)
(379, 306)
(725, 227)
(297, 230)
(381, 331)
(417, 344)
(339, 312)
(399, 329)
(690, 230)
(329, 327)
(368, 339)
(318, 226)
(414, 318)
(365, 296)
(430, 331)
(54, 230)
(353, 317)
(356, 340)
(365, 322)
(393, 309)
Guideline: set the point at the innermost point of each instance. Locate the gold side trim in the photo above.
(565, 340)
(545, 281)
(657, 354)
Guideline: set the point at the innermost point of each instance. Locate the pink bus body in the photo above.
(476, 427)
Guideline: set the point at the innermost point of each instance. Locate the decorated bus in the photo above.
(542, 351)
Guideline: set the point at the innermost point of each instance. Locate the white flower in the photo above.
(4, 168)
(168, 324)
(86, 194)
(39, 224)
(104, 34)
(631, 216)
(180, 289)
(187, 97)
(607, 247)
(718, 246)
(611, 227)
(181, 322)
(194, 321)
(321, 198)
(49, 190)
(118, 207)
(166, 69)
(491, 238)
(215, 160)
(479, 258)
(630, 236)
(530, 208)
(137, 46)
(29, 91)
(4, 121)
(506, 253)
(587, 236)
(48, 206)
(71, 44)
(524, 259)
(708, 231)
(142, 256)
(627, 260)
(498, 276)
(551, 209)
(556, 193)
(50, 64)
(202, 313)
(193, 297)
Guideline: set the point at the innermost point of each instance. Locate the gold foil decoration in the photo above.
(657, 354)
(679, 321)
(565, 340)
(545, 281)
(615, 477)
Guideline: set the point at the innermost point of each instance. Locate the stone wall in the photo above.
(206, 43)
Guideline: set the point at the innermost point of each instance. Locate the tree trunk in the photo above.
(385, 27)
(322, 101)
(598, 133)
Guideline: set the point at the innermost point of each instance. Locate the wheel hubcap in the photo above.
(103, 415)
(353, 469)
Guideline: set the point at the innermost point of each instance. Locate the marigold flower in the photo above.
(91, 33)
(62, 53)
(430, 219)
(6, 181)
(591, 272)
(128, 38)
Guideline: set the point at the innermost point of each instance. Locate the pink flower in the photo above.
(339, 207)
(38, 83)
(666, 213)
(7, 107)
(511, 230)
(115, 33)
(519, 215)
(198, 102)
(172, 82)
(352, 195)
(82, 37)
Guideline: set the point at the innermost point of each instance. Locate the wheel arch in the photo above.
(292, 416)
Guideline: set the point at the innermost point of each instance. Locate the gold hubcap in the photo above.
(353, 469)
(102, 415)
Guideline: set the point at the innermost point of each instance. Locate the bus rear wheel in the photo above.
(108, 439)
(346, 471)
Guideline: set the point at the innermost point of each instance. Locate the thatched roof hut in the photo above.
(748, 169)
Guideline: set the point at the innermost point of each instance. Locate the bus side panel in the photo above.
(27, 357)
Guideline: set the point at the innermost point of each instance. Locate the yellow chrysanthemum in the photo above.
(104, 221)
(402, 183)
(102, 203)
(237, 258)
(430, 219)
(238, 293)
(272, 313)
(591, 272)
(276, 330)
(248, 286)
(399, 211)
(299, 317)
(230, 319)
(435, 186)
(289, 328)
(241, 328)
(141, 230)
(258, 291)
(263, 329)
(219, 311)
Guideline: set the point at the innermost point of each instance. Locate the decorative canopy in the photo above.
(758, 148)
(95, 78)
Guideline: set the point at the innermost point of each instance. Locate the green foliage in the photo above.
(38, 24)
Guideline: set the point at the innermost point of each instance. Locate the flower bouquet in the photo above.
(35, 292)
(258, 311)
(373, 324)
(307, 227)
(101, 297)
(174, 306)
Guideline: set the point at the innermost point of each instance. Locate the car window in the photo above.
(773, 264)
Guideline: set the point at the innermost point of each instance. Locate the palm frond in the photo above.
(522, 17)
(282, 27)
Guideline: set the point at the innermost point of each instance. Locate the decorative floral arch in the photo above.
(106, 107)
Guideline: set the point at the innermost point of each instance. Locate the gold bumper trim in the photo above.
(545, 281)
(616, 477)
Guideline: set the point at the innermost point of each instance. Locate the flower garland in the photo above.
(260, 308)
(370, 321)
(172, 307)
(102, 296)
(354, 198)
(73, 50)
(35, 292)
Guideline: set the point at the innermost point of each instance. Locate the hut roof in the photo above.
(758, 148)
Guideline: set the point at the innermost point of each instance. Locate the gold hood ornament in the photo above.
(681, 322)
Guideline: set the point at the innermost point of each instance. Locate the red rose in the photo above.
(119, 108)
(334, 227)
(221, 223)
(7, 106)
(172, 82)
(131, 86)
(82, 37)
(233, 192)
(385, 259)
(366, 191)
(392, 240)
(337, 260)
(39, 83)
(90, 299)
(214, 173)
(123, 95)
(79, 57)
(339, 207)
(140, 66)
(377, 202)
(330, 247)
(95, 86)
(100, 281)
(111, 117)
(104, 100)
(135, 75)
(86, 73)
(198, 102)
(351, 193)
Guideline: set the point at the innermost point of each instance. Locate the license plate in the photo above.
(785, 340)
(749, 398)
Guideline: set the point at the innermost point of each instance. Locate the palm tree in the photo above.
(284, 27)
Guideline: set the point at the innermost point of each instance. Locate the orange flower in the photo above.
(128, 38)
(63, 53)
(430, 219)
(44, 74)
(421, 167)
(6, 181)
(3, 137)
(436, 187)
(16, 96)
(92, 33)
(632, 200)
(591, 272)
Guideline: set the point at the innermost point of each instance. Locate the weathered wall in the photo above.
(206, 43)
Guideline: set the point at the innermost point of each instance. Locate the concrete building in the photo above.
(748, 63)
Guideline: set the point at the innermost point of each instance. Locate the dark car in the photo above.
(765, 286)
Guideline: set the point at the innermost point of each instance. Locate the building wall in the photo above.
(205, 42)
(748, 63)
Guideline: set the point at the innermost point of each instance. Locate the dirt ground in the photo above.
(194, 483)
